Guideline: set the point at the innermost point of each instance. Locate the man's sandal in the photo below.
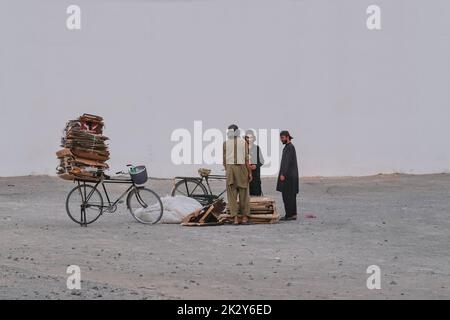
(291, 218)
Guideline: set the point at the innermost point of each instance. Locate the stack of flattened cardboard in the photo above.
(85, 151)
(206, 216)
(262, 210)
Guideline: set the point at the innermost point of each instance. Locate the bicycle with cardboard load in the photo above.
(85, 204)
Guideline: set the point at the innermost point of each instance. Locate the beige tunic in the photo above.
(235, 156)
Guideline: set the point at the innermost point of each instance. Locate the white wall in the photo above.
(358, 102)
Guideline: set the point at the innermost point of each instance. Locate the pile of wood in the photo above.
(262, 210)
(85, 151)
(206, 216)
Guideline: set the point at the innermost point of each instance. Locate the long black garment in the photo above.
(290, 186)
(255, 184)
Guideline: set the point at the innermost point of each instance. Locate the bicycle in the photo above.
(198, 188)
(86, 200)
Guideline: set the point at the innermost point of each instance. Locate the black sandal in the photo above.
(292, 218)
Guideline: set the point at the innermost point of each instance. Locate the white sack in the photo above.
(175, 209)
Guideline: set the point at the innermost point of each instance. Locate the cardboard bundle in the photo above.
(206, 216)
(262, 210)
(85, 151)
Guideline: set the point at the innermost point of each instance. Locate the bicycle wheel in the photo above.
(145, 205)
(191, 188)
(84, 201)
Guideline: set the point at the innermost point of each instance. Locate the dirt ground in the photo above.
(400, 223)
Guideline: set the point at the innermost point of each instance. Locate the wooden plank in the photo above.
(197, 224)
(252, 216)
(206, 214)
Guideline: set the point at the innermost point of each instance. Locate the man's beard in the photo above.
(284, 142)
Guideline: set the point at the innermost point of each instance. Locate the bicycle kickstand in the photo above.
(83, 218)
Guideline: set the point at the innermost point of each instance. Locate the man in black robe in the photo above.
(288, 180)
(256, 162)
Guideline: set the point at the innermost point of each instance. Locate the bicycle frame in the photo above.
(214, 177)
(110, 181)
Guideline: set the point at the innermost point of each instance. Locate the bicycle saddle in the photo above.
(203, 172)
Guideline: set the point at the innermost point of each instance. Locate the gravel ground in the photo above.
(398, 222)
